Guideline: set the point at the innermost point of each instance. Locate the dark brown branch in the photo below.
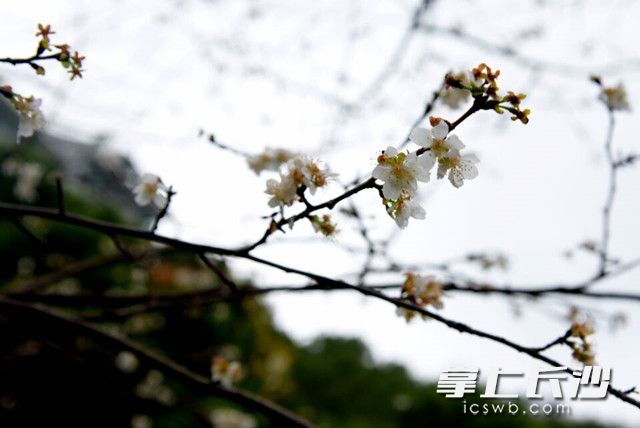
(219, 273)
(163, 212)
(461, 327)
(31, 60)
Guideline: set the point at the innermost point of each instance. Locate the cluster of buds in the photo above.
(225, 372)
(71, 62)
(31, 118)
(482, 84)
(422, 291)
(298, 175)
(582, 348)
(323, 224)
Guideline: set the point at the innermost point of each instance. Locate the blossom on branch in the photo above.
(401, 172)
(460, 167)
(300, 173)
(283, 192)
(151, 189)
(436, 140)
(403, 208)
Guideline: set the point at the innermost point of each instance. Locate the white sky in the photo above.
(274, 73)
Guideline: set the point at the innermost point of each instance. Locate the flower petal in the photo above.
(390, 190)
(420, 136)
(391, 151)
(440, 131)
(453, 142)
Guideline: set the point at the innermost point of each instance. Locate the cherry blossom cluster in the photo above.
(296, 176)
(224, 371)
(422, 291)
(401, 171)
(582, 348)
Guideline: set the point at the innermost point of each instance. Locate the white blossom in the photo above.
(30, 116)
(615, 97)
(403, 208)
(454, 97)
(436, 140)
(425, 290)
(151, 189)
(459, 167)
(401, 172)
(283, 192)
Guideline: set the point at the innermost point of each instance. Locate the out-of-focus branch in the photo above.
(611, 194)
(39, 316)
(526, 61)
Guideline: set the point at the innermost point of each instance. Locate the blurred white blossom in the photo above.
(269, 160)
(231, 418)
(308, 172)
(126, 361)
(150, 189)
(30, 116)
(283, 192)
(29, 176)
(225, 372)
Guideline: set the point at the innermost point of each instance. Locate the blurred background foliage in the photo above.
(48, 377)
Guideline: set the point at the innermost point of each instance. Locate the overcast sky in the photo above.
(279, 73)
